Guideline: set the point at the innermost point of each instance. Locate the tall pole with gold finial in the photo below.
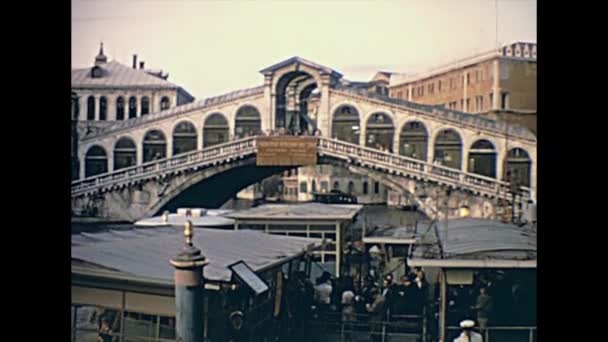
(189, 282)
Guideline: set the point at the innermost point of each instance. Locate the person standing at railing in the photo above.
(323, 291)
(377, 309)
(483, 306)
(468, 334)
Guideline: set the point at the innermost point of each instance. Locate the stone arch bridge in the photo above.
(137, 167)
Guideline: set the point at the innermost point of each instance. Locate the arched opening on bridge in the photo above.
(380, 132)
(291, 103)
(309, 97)
(345, 124)
(518, 165)
(215, 130)
(413, 141)
(91, 108)
(336, 185)
(164, 103)
(482, 158)
(351, 187)
(448, 149)
(132, 107)
(125, 153)
(103, 108)
(145, 105)
(184, 138)
(247, 122)
(95, 161)
(154, 145)
(120, 108)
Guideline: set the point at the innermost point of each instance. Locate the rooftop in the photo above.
(470, 239)
(145, 253)
(305, 211)
(115, 74)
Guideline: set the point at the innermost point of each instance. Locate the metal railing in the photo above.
(366, 156)
(324, 326)
(500, 333)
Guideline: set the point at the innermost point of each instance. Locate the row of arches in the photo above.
(413, 142)
(184, 138)
(122, 108)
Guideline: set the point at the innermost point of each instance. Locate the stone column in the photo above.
(323, 117)
(267, 111)
(496, 84)
(465, 85)
(189, 284)
(82, 114)
(111, 107)
(409, 92)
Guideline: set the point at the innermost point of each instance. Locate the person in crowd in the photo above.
(238, 331)
(348, 307)
(468, 334)
(389, 289)
(377, 311)
(105, 332)
(423, 288)
(483, 306)
(323, 291)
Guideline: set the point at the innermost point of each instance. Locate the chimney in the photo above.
(141, 65)
(134, 61)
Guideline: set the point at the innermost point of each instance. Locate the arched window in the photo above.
(303, 187)
(413, 140)
(132, 107)
(313, 186)
(145, 105)
(448, 149)
(351, 187)
(76, 113)
(336, 186)
(215, 130)
(345, 124)
(376, 187)
(482, 158)
(91, 108)
(95, 162)
(247, 122)
(125, 153)
(184, 138)
(365, 188)
(164, 103)
(120, 108)
(518, 165)
(380, 132)
(103, 108)
(154, 145)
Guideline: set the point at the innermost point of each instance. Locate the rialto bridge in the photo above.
(207, 149)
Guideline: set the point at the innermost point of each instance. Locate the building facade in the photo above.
(498, 84)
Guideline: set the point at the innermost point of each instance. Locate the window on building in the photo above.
(376, 187)
(103, 108)
(303, 187)
(491, 100)
(504, 100)
(351, 187)
(365, 188)
(480, 108)
(451, 83)
(145, 105)
(439, 85)
(164, 103)
(468, 105)
(132, 107)
(462, 105)
(91, 108)
(467, 79)
(399, 94)
(120, 108)
(336, 185)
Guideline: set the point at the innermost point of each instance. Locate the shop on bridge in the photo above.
(122, 281)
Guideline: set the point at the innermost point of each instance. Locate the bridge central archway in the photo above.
(293, 91)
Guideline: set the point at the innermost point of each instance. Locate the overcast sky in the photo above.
(212, 47)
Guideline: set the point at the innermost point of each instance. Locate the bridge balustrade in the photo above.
(500, 333)
(336, 148)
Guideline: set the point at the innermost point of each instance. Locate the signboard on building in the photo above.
(286, 151)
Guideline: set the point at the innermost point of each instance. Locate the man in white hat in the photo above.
(468, 334)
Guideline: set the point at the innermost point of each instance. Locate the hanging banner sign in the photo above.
(286, 151)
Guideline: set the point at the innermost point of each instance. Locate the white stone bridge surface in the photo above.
(393, 140)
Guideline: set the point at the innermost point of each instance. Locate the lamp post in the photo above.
(189, 282)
